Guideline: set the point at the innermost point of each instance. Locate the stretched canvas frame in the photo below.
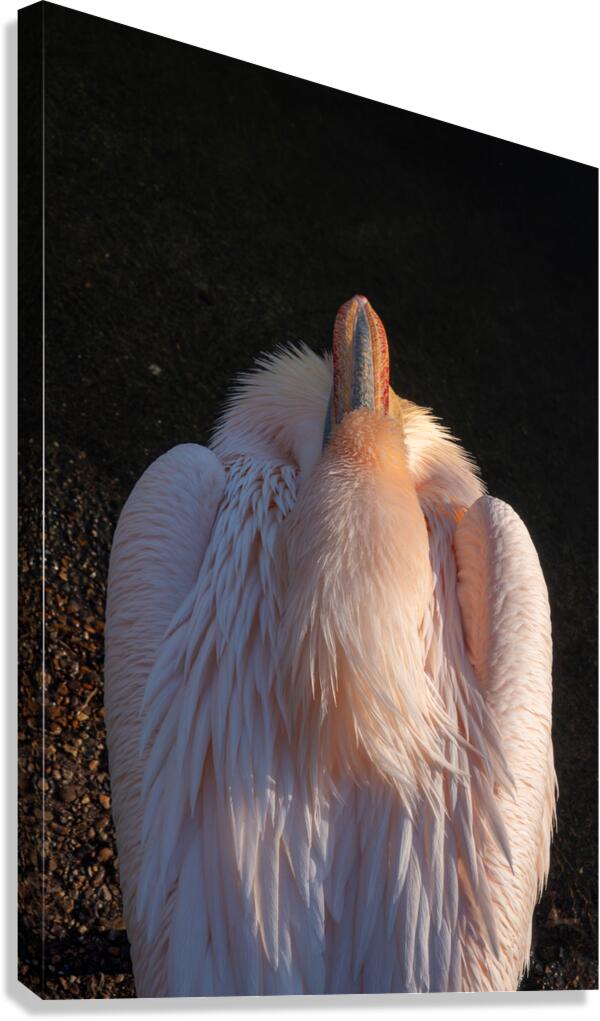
(180, 212)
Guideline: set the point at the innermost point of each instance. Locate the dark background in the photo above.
(200, 210)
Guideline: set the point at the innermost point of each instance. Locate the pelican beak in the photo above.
(361, 365)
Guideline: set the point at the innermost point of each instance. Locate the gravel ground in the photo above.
(66, 802)
(200, 210)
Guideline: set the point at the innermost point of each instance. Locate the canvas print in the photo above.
(308, 543)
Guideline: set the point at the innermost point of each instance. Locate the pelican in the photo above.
(328, 697)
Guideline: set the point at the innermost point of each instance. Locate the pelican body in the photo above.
(328, 697)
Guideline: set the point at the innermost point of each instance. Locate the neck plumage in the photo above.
(357, 584)
(278, 412)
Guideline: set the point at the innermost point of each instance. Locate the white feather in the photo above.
(320, 781)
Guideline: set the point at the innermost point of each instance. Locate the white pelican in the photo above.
(328, 697)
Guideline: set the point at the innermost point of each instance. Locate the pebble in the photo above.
(68, 794)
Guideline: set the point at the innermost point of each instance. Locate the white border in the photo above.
(522, 70)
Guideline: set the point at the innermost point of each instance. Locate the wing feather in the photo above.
(157, 552)
(221, 774)
(506, 620)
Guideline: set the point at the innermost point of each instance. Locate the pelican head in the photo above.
(293, 404)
